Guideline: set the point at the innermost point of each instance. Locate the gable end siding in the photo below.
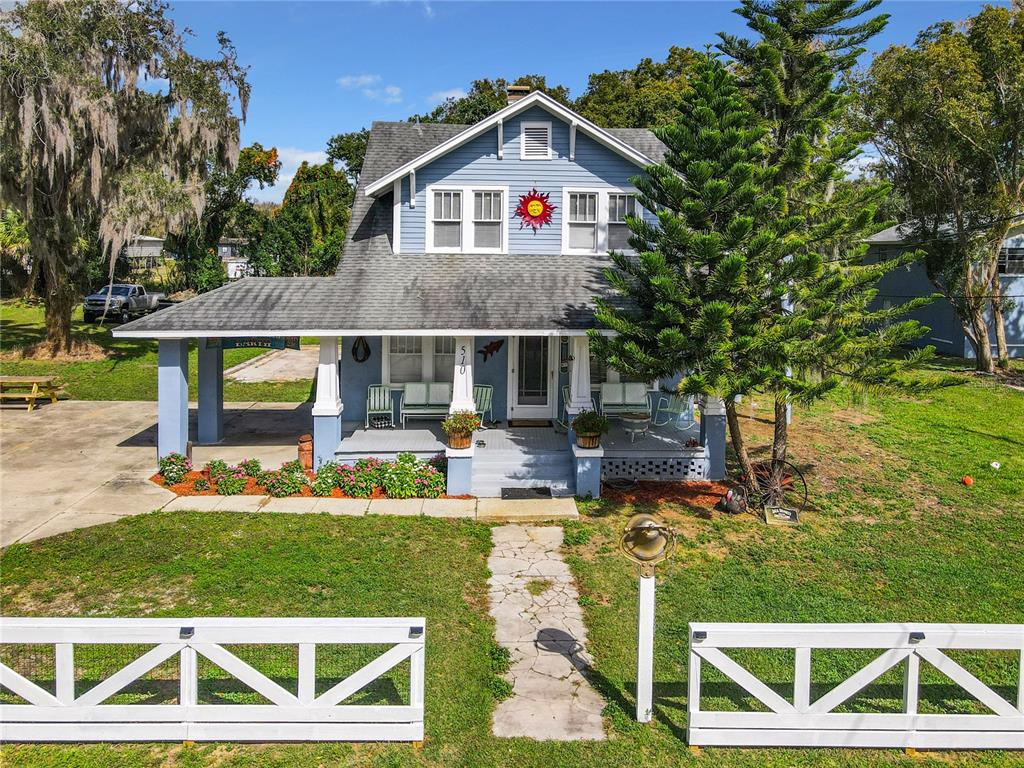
(476, 162)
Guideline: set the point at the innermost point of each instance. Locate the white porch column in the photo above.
(462, 382)
(579, 376)
(328, 406)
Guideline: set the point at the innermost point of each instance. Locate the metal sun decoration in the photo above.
(534, 209)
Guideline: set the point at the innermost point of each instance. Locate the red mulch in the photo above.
(693, 494)
(187, 488)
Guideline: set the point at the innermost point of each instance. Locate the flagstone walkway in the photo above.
(537, 616)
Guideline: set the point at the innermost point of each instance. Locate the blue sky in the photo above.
(320, 68)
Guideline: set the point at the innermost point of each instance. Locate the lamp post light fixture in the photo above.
(647, 541)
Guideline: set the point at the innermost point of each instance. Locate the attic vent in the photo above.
(536, 141)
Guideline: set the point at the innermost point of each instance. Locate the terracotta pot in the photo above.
(588, 441)
(306, 451)
(460, 440)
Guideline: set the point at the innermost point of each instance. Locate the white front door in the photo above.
(532, 377)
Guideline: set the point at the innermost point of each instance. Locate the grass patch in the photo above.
(891, 536)
(537, 587)
(129, 371)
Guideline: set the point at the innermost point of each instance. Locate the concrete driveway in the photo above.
(82, 463)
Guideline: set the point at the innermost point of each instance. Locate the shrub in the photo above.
(284, 483)
(232, 483)
(354, 482)
(326, 479)
(430, 483)
(370, 470)
(294, 467)
(201, 484)
(399, 478)
(590, 423)
(174, 467)
(217, 470)
(440, 463)
(461, 423)
(252, 467)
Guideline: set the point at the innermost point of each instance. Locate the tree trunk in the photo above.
(736, 436)
(999, 321)
(980, 341)
(59, 298)
(780, 440)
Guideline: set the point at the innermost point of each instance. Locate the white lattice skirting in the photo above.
(669, 468)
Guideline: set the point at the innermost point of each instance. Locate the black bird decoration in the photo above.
(491, 349)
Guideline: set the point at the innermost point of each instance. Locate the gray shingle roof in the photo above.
(374, 289)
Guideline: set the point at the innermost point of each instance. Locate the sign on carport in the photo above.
(259, 342)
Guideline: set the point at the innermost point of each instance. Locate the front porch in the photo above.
(542, 380)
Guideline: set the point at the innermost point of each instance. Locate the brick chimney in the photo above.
(517, 92)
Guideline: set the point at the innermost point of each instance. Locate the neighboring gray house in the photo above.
(447, 300)
(946, 333)
(144, 252)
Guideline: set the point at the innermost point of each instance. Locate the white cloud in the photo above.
(389, 94)
(358, 81)
(862, 165)
(291, 158)
(439, 97)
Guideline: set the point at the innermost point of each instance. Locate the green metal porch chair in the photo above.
(378, 403)
(483, 395)
(677, 409)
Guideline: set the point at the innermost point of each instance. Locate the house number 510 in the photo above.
(462, 359)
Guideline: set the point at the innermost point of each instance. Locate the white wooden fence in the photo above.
(299, 716)
(807, 723)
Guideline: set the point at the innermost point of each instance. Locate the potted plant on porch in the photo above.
(460, 427)
(589, 426)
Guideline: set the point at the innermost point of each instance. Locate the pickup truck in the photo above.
(120, 301)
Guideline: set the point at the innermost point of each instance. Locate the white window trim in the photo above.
(602, 216)
(468, 245)
(522, 138)
(426, 361)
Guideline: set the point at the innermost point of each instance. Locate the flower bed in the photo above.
(405, 478)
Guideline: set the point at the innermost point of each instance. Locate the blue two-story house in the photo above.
(468, 279)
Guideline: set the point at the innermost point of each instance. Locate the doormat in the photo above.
(545, 423)
(525, 493)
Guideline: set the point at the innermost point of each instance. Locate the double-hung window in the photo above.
(405, 354)
(619, 207)
(418, 358)
(595, 220)
(470, 219)
(583, 221)
(1011, 261)
(447, 220)
(488, 214)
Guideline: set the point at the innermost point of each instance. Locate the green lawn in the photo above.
(129, 372)
(892, 536)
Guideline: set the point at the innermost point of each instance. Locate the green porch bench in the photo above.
(625, 397)
(425, 400)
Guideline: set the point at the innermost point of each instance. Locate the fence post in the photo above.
(64, 672)
(307, 673)
(189, 694)
(802, 680)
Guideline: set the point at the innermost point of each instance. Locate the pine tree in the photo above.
(703, 290)
(790, 314)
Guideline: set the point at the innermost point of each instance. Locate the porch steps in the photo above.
(494, 470)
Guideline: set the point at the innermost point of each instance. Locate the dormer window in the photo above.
(535, 141)
(472, 219)
(595, 220)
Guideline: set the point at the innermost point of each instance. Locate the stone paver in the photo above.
(449, 507)
(527, 510)
(341, 506)
(551, 699)
(293, 505)
(406, 507)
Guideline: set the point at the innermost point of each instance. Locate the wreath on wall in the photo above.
(534, 209)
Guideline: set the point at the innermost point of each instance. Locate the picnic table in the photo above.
(28, 388)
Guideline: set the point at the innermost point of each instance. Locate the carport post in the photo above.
(327, 408)
(211, 391)
(713, 435)
(172, 396)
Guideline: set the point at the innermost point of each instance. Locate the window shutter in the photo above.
(536, 142)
